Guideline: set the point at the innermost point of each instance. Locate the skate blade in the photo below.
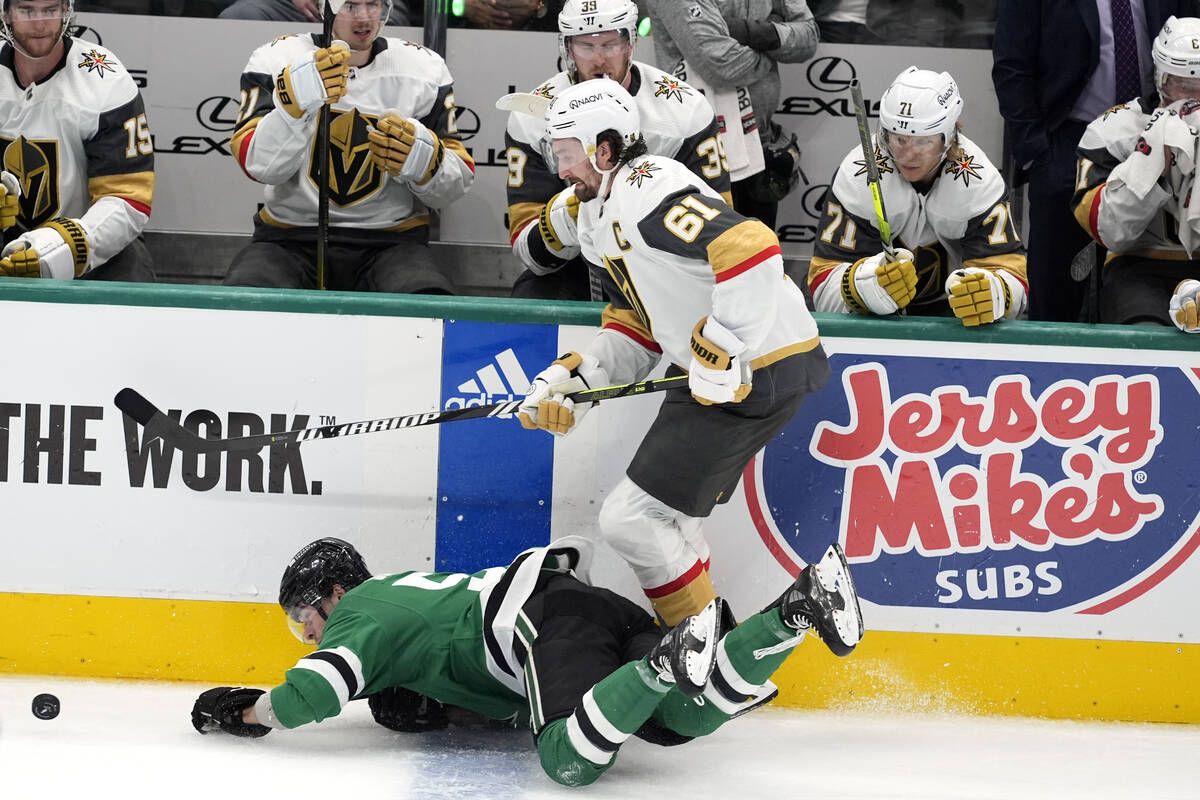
(833, 573)
(703, 627)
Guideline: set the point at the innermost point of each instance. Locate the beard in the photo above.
(585, 192)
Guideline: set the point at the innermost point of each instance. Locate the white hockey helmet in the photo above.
(585, 17)
(68, 16)
(921, 102)
(1176, 50)
(585, 110)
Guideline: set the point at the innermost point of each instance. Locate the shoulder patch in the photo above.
(543, 91)
(283, 38)
(883, 162)
(964, 167)
(1114, 110)
(95, 61)
(417, 45)
(668, 87)
(641, 172)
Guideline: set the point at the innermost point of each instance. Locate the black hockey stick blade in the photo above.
(161, 426)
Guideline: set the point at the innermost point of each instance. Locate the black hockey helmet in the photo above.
(315, 569)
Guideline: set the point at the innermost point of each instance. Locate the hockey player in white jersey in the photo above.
(596, 39)
(394, 153)
(957, 249)
(691, 280)
(78, 162)
(1133, 196)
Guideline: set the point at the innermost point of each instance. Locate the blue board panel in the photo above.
(495, 479)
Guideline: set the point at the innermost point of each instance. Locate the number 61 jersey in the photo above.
(676, 254)
(79, 145)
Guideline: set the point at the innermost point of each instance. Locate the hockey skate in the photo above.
(824, 600)
(686, 655)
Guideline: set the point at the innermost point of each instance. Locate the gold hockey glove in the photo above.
(405, 148)
(717, 373)
(546, 405)
(303, 87)
(1185, 306)
(58, 249)
(877, 286)
(10, 200)
(978, 296)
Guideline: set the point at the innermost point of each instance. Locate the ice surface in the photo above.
(133, 740)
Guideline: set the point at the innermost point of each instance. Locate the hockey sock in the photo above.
(757, 647)
(575, 751)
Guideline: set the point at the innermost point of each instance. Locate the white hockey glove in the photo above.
(58, 249)
(877, 286)
(717, 373)
(1185, 306)
(303, 87)
(546, 404)
(558, 220)
(978, 296)
(10, 199)
(405, 148)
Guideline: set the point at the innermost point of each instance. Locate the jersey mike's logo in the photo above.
(988, 485)
(35, 164)
(353, 176)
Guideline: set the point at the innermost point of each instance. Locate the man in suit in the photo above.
(1057, 65)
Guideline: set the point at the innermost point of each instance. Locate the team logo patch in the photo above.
(543, 91)
(95, 61)
(641, 172)
(1113, 110)
(35, 164)
(963, 167)
(353, 176)
(881, 161)
(417, 45)
(669, 87)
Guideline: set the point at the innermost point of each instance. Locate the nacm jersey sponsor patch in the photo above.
(998, 485)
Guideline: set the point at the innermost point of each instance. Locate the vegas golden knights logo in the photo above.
(35, 163)
(352, 174)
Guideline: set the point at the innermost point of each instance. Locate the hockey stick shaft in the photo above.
(328, 13)
(160, 425)
(872, 167)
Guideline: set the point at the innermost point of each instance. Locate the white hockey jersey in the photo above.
(79, 144)
(676, 120)
(1110, 211)
(675, 252)
(275, 149)
(964, 219)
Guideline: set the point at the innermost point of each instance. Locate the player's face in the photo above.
(916, 156)
(575, 168)
(37, 25)
(1179, 88)
(307, 623)
(359, 22)
(601, 55)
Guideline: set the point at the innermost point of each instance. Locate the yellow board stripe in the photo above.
(1022, 676)
(122, 637)
(248, 643)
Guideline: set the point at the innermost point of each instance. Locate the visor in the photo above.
(568, 153)
(21, 13)
(297, 619)
(375, 10)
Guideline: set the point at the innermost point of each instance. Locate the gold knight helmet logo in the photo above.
(352, 174)
(35, 165)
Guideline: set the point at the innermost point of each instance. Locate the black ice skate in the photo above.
(686, 655)
(824, 600)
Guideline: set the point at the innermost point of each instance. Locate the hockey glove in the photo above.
(717, 373)
(978, 296)
(1185, 306)
(558, 220)
(58, 249)
(221, 709)
(303, 87)
(546, 404)
(10, 199)
(877, 286)
(405, 148)
(400, 709)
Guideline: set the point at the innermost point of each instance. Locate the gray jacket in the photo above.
(698, 31)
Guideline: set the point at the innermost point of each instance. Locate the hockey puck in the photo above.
(45, 706)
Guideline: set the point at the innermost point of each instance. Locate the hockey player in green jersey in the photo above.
(531, 641)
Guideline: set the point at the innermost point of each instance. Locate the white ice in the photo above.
(133, 740)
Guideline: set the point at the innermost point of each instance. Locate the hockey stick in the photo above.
(330, 10)
(159, 425)
(872, 167)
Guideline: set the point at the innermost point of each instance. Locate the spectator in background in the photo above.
(735, 49)
(1137, 175)
(78, 160)
(843, 21)
(956, 245)
(303, 11)
(391, 96)
(1057, 65)
(509, 15)
(676, 120)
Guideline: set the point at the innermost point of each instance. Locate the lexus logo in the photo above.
(813, 200)
(218, 113)
(831, 74)
(466, 122)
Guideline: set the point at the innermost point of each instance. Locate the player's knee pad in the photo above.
(636, 524)
(563, 761)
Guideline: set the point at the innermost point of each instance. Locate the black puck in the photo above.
(45, 706)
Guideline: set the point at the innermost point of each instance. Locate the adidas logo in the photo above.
(503, 379)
